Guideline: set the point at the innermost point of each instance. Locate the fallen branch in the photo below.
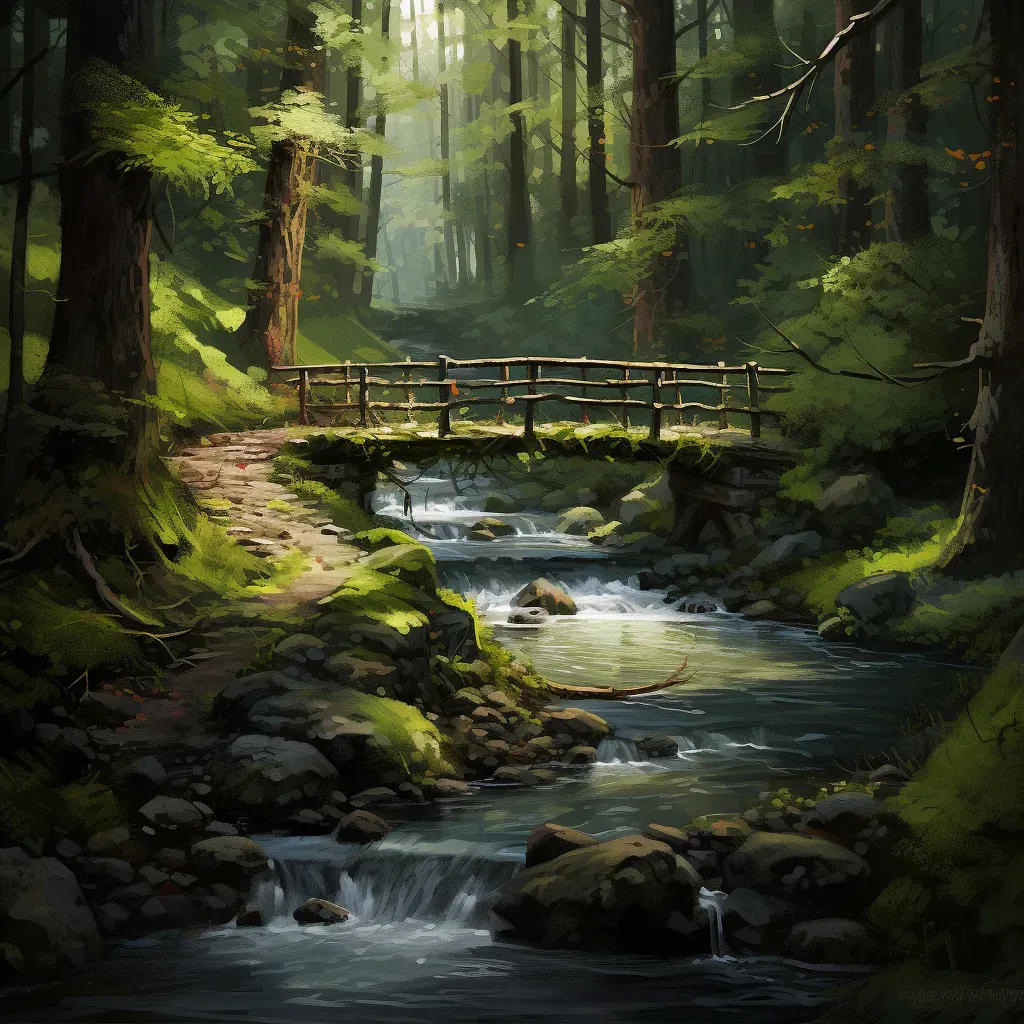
(106, 595)
(618, 693)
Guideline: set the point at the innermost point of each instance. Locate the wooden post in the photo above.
(656, 405)
(407, 376)
(625, 395)
(500, 418)
(585, 417)
(364, 396)
(444, 394)
(531, 407)
(723, 417)
(302, 398)
(679, 398)
(753, 400)
(348, 382)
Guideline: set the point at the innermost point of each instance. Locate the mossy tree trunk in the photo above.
(990, 533)
(101, 316)
(455, 272)
(271, 323)
(352, 176)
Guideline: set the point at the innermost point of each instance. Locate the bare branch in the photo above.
(107, 596)
(858, 24)
(696, 21)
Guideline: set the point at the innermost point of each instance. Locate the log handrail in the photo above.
(630, 375)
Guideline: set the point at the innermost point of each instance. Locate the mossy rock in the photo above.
(368, 594)
(411, 563)
(87, 809)
(381, 537)
(580, 521)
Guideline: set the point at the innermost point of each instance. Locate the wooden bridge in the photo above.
(372, 390)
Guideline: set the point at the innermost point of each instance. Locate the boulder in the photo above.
(43, 914)
(836, 628)
(657, 746)
(787, 550)
(878, 598)
(768, 611)
(756, 922)
(374, 797)
(843, 814)
(789, 865)
(250, 917)
(833, 940)
(578, 724)
(318, 911)
(495, 527)
(546, 842)
(677, 567)
(578, 522)
(267, 778)
(499, 501)
(629, 894)
(300, 648)
(542, 593)
(230, 860)
(528, 617)
(580, 755)
(170, 813)
(700, 604)
(142, 777)
(362, 827)
(856, 505)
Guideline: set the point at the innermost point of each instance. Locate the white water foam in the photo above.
(387, 882)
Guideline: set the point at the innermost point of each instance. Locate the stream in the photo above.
(767, 705)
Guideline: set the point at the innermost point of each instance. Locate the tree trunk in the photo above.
(376, 179)
(396, 297)
(990, 533)
(702, 164)
(598, 182)
(446, 174)
(520, 253)
(567, 189)
(101, 316)
(14, 420)
(907, 214)
(854, 101)
(271, 322)
(757, 38)
(352, 177)
(6, 60)
(653, 165)
(482, 231)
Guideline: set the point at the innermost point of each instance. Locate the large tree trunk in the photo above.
(567, 189)
(907, 214)
(271, 322)
(654, 165)
(101, 316)
(854, 101)
(6, 60)
(757, 38)
(990, 533)
(520, 253)
(600, 215)
(13, 426)
(448, 228)
(376, 179)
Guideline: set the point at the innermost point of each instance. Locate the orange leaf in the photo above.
(140, 717)
(455, 388)
(870, 146)
(980, 165)
(957, 154)
(667, 252)
(241, 465)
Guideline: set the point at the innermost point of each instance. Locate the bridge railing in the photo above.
(658, 388)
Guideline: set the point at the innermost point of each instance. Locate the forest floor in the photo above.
(231, 478)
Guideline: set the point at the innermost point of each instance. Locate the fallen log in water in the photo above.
(618, 693)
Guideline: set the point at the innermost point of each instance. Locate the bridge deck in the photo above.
(567, 438)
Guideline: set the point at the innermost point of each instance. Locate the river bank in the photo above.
(725, 756)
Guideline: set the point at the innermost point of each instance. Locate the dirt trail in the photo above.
(230, 476)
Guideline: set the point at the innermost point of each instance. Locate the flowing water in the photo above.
(763, 705)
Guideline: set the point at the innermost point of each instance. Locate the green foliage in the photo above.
(343, 511)
(126, 118)
(379, 538)
(410, 562)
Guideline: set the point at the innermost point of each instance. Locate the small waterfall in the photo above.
(385, 883)
(613, 750)
(712, 901)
